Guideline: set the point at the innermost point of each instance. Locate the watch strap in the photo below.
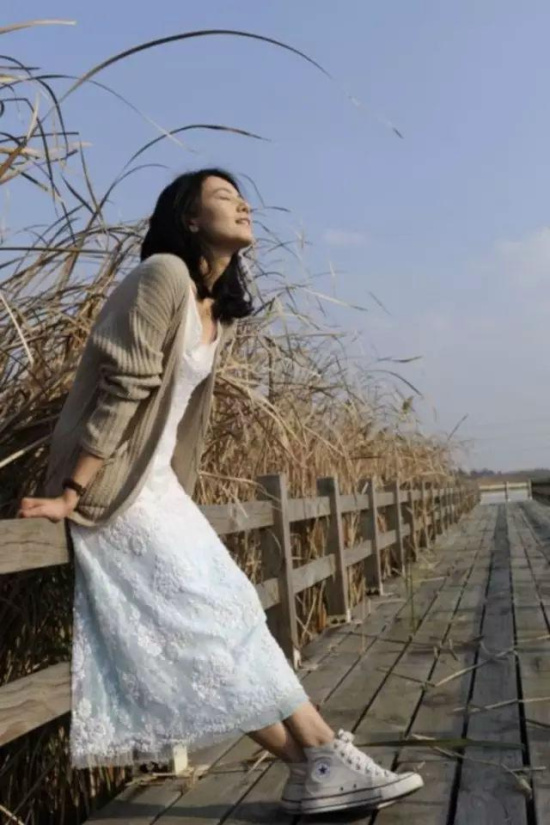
(73, 485)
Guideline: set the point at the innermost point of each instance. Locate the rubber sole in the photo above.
(368, 798)
(296, 807)
(291, 807)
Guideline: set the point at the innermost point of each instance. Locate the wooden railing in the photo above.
(414, 518)
(540, 489)
(508, 489)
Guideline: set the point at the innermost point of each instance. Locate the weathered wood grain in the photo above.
(27, 703)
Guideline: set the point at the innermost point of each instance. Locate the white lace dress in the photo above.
(170, 643)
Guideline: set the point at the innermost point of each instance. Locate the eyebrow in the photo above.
(224, 189)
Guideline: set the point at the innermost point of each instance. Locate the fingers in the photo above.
(40, 511)
(30, 512)
(30, 503)
(33, 508)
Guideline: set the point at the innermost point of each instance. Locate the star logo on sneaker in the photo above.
(322, 769)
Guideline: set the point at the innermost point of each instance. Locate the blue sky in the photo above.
(448, 227)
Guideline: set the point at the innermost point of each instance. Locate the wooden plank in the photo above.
(356, 677)
(302, 509)
(436, 716)
(27, 703)
(435, 511)
(139, 804)
(368, 526)
(313, 572)
(392, 642)
(530, 578)
(277, 562)
(238, 516)
(268, 591)
(358, 552)
(206, 803)
(488, 793)
(424, 515)
(396, 526)
(410, 530)
(336, 589)
(393, 709)
(28, 544)
(385, 498)
(386, 539)
(352, 502)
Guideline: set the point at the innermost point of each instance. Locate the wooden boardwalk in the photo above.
(461, 656)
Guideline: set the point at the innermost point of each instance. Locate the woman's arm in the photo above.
(129, 346)
(59, 507)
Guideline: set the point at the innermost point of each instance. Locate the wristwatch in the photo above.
(73, 485)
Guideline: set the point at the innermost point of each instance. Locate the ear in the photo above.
(192, 225)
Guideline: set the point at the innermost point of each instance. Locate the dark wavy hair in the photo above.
(168, 232)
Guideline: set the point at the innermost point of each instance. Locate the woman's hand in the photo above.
(56, 509)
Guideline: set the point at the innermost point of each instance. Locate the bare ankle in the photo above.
(317, 740)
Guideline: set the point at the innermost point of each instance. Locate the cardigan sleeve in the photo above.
(128, 347)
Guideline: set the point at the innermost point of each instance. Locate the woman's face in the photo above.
(224, 216)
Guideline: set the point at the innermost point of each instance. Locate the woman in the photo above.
(170, 643)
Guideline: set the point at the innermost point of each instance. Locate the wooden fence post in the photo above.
(454, 495)
(369, 530)
(435, 510)
(396, 523)
(336, 588)
(425, 526)
(277, 562)
(410, 519)
(443, 508)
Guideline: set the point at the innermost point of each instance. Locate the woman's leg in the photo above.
(308, 728)
(305, 728)
(278, 740)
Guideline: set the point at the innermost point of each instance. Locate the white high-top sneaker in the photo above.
(341, 776)
(293, 791)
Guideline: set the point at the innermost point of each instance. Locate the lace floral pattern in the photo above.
(170, 643)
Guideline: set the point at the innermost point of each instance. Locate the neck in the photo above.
(220, 262)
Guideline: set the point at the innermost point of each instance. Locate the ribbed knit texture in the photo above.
(120, 398)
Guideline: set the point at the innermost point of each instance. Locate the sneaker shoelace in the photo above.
(343, 744)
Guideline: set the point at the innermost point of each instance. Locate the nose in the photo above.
(244, 205)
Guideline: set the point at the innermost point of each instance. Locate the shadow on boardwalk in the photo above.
(467, 657)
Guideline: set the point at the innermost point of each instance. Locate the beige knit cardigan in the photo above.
(119, 401)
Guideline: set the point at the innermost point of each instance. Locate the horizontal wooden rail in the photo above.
(32, 544)
(30, 702)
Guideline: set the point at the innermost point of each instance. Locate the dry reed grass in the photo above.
(285, 402)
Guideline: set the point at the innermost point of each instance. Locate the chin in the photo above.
(243, 241)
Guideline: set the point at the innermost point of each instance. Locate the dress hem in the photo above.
(163, 753)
